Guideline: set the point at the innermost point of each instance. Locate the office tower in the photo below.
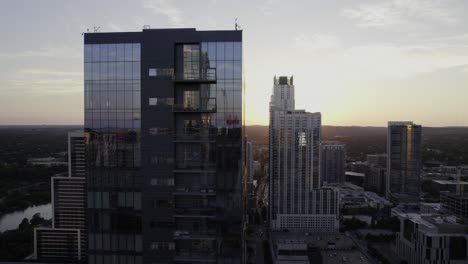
(163, 123)
(376, 174)
(404, 162)
(332, 162)
(294, 138)
(66, 239)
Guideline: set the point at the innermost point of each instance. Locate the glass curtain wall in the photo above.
(112, 131)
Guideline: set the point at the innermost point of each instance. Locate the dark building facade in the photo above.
(163, 127)
(332, 162)
(404, 160)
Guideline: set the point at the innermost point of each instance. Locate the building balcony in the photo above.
(195, 137)
(205, 75)
(211, 108)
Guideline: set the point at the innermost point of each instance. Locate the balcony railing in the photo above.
(194, 137)
(203, 75)
(195, 108)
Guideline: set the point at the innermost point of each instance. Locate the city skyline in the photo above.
(386, 60)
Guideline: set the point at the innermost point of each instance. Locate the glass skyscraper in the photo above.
(404, 161)
(163, 137)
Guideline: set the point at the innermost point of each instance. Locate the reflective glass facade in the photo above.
(163, 112)
(112, 126)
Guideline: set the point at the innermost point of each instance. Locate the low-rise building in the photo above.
(430, 238)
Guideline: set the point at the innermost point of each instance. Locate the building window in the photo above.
(191, 62)
(161, 101)
(161, 72)
(162, 182)
(153, 101)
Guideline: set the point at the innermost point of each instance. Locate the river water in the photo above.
(12, 220)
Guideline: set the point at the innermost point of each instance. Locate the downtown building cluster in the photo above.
(163, 172)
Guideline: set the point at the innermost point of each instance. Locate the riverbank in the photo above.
(17, 244)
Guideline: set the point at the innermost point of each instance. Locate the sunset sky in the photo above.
(357, 62)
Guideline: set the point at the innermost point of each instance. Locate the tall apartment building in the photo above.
(332, 162)
(294, 137)
(66, 239)
(163, 123)
(404, 161)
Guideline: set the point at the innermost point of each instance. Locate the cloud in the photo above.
(316, 42)
(401, 14)
(57, 53)
(43, 80)
(114, 27)
(166, 8)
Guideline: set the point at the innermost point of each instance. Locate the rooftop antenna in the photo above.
(96, 29)
(237, 26)
(87, 31)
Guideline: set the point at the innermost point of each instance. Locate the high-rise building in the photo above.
(376, 174)
(163, 125)
(65, 241)
(404, 161)
(76, 152)
(332, 162)
(294, 137)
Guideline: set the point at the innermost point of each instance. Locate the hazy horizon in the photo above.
(357, 62)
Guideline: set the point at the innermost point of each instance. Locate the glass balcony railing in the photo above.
(203, 75)
(194, 108)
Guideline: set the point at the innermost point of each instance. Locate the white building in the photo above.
(66, 240)
(294, 137)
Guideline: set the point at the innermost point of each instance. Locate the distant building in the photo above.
(376, 174)
(378, 160)
(430, 238)
(66, 240)
(404, 161)
(332, 162)
(76, 152)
